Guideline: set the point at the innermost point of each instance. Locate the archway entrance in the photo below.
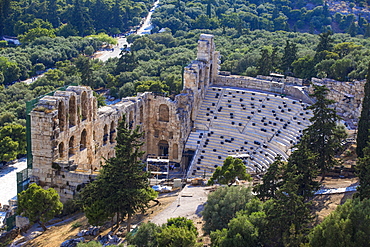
(163, 148)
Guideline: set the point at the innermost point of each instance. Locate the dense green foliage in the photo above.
(122, 187)
(271, 180)
(363, 173)
(324, 136)
(39, 205)
(145, 236)
(347, 226)
(232, 169)
(363, 133)
(269, 15)
(176, 232)
(67, 18)
(222, 206)
(12, 142)
(19, 63)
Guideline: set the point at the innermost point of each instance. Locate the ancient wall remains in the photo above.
(348, 97)
(250, 82)
(72, 137)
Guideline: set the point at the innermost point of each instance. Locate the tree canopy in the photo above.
(363, 133)
(222, 206)
(232, 169)
(347, 226)
(39, 205)
(176, 232)
(122, 186)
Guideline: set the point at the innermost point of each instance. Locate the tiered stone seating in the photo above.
(256, 125)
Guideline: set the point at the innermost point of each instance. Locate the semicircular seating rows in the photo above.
(253, 125)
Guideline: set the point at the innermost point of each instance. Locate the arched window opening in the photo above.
(112, 133)
(94, 106)
(61, 150)
(72, 111)
(164, 114)
(200, 78)
(141, 114)
(61, 116)
(71, 146)
(131, 120)
(105, 136)
(163, 148)
(83, 140)
(175, 152)
(84, 106)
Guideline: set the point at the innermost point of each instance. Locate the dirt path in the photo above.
(59, 232)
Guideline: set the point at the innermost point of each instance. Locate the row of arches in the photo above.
(71, 117)
(72, 145)
(111, 135)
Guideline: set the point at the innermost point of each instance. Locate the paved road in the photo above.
(105, 55)
(189, 203)
(147, 26)
(8, 180)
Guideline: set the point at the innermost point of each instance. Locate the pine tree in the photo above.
(325, 45)
(323, 136)
(271, 180)
(363, 125)
(232, 169)
(39, 205)
(363, 173)
(289, 56)
(302, 169)
(122, 185)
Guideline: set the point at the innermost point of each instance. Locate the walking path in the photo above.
(189, 204)
(8, 180)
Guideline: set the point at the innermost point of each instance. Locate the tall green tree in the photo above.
(289, 56)
(222, 206)
(178, 232)
(323, 137)
(127, 62)
(39, 205)
(122, 185)
(363, 132)
(324, 46)
(347, 226)
(232, 169)
(146, 235)
(271, 180)
(302, 170)
(363, 173)
(288, 216)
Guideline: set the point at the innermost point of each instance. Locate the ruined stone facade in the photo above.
(348, 98)
(71, 137)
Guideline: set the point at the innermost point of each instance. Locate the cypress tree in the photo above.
(323, 136)
(363, 173)
(363, 124)
(122, 187)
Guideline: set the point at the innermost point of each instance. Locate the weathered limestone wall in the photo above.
(347, 95)
(202, 72)
(71, 136)
(250, 82)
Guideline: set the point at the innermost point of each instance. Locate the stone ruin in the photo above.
(71, 137)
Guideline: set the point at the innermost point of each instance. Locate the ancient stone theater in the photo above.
(215, 115)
